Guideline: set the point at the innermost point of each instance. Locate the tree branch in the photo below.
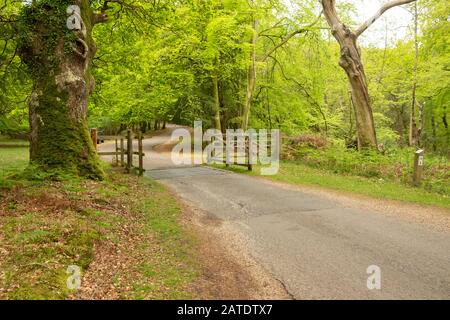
(304, 91)
(289, 37)
(381, 11)
(103, 17)
(99, 18)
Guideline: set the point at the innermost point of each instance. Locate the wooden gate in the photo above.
(248, 143)
(124, 153)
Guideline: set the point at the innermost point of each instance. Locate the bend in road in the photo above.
(317, 248)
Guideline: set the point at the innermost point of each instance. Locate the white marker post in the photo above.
(419, 161)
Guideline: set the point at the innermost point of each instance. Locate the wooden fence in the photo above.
(247, 143)
(124, 152)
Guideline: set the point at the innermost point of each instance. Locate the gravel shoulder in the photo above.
(432, 217)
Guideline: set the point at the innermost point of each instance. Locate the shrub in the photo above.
(394, 164)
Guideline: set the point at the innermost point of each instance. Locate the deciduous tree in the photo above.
(351, 62)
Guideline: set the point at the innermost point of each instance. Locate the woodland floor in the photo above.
(135, 238)
(131, 237)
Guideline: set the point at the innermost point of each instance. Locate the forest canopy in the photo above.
(237, 63)
(168, 72)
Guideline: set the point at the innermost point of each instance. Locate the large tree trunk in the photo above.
(351, 62)
(58, 51)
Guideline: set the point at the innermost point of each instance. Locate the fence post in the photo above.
(122, 156)
(129, 151)
(419, 158)
(117, 152)
(141, 155)
(94, 137)
(249, 153)
(227, 151)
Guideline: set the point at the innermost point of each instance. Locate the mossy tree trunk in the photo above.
(58, 49)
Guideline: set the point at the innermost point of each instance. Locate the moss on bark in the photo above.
(59, 61)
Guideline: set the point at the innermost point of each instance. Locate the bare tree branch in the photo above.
(380, 12)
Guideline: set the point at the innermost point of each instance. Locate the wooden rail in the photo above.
(245, 161)
(124, 152)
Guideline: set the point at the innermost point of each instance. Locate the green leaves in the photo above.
(156, 61)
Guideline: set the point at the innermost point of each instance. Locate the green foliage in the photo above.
(14, 81)
(168, 70)
(157, 65)
(298, 173)
(13, 124)
(393, 165)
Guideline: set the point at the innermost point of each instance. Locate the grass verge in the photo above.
(299, 174)
(13, 143)
(123, 233)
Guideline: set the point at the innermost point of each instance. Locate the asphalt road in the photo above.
(317, 248)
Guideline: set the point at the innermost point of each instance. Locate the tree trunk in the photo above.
(421, 128)
(216, 103)
(58, 51)
(144, 126)
(400, 122)
(434, 131)
(251, 79)
(351, 62)
(413, 130)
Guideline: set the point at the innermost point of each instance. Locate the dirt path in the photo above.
(313, 243)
